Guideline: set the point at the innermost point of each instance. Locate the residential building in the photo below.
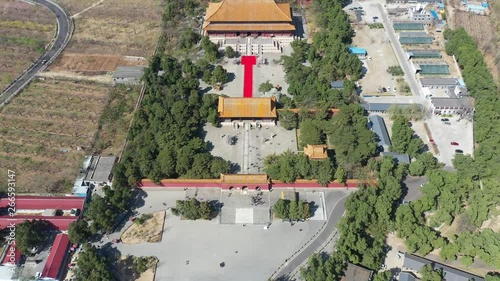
(257, 110)
(384, 107)
(415, 264)
(338, 84)
(360, 52)
(415, 38)
(128, 74)
(400, 158)
(451, 105)
(419, 14)
(405, 25)
(356, 273)
(431, 68)
(423, 54)
(100, 170)
(54, 267)
(440, 82)
(234, 18)
(316, 151)
(407, 276)
(377, 124)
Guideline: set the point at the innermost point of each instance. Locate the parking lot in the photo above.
(382, 57)
(261, 142)
(460, 132)
(249, 252)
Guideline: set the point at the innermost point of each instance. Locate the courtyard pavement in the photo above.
(249, 252)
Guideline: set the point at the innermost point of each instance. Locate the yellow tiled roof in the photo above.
(247, 107)
(248, 11)
(316, 151)
(250, 27)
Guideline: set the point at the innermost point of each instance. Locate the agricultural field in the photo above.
(94, 64)
(116, 27)
(25, 31)
(46, 130)
(482, 28)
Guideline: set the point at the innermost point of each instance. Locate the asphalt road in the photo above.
(58, 45)
(400, 54)
(333, 218)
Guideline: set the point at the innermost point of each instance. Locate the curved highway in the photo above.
(334, 216)
(62, 39)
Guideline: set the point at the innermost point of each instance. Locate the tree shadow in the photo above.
(210, 146)
(230, 77)
(313, 207)
(206, 90)
(234, 168)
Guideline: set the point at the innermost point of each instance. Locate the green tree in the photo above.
(417, 168)
(29, 235)
(265, 87)
(310, 133)
(430, 274)
(219, 75)
(340, 175)
(188, 38)
(92, 266)
(288, 119)
(280, 209)
(101, 213)
(383, 276)
(230, 53)
(79, 231)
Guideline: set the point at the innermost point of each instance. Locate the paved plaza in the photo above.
(249, 252)
(251, 147)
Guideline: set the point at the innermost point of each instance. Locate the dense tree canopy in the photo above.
(163, 141)
(29, 234)
(404, 139)
(92, 266)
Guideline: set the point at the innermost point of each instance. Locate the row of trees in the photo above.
(193, 209)
(311, 67)
(404, 139)
(292, 209)
(163, 140)
(290, 166)
(368, 218)
(459, 197)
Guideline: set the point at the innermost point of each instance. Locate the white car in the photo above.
(394, 89)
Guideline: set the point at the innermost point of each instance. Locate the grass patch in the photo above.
(33, 44)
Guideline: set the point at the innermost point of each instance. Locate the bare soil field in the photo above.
(148, 232)
(25, 31)
(125, 269)
(45, 130)
(115, 27)
(486, 34)
(82, 63)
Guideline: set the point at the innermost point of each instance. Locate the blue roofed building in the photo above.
(377, 125)
(415, 264)
(360, 52)
(338, 84)
(400, 158)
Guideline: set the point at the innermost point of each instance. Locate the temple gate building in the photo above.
(241, 18)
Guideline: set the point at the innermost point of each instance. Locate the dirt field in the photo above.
(93, 64)
(125, 270)
(148, 232)
(25, 30)
(114, 27)
(483, 30)
(43, 132)
(377, 46)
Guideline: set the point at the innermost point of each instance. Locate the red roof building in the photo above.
(45, 202)
(59, 222)
(57, 256)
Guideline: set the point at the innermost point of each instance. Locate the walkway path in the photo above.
(333, 218)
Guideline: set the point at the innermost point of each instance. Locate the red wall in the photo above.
(45, 202)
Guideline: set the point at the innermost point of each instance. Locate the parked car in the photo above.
(454, 143)
(394, 89)
(375, 18)
(459, 151)
(445, 119)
